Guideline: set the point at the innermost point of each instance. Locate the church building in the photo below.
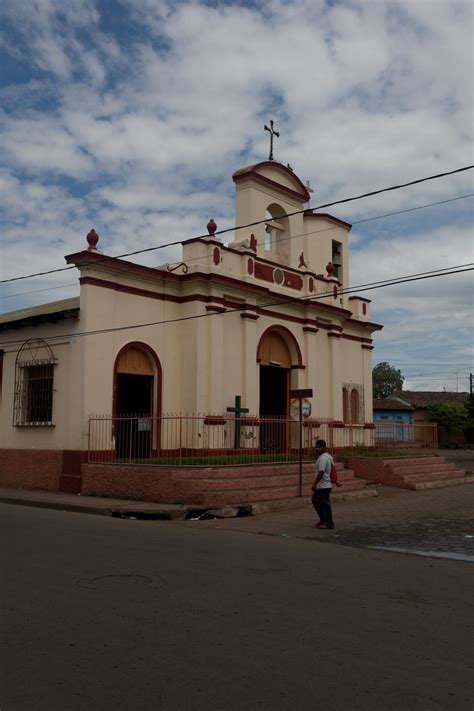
(258, 317)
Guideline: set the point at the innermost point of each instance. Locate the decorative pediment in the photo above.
(274, 175)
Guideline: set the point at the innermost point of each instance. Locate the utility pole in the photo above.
(470, 383)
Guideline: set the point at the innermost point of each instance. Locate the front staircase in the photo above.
(239, 485)
(414, 473)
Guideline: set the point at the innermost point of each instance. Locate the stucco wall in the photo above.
(66, 431)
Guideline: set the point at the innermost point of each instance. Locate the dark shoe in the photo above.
(330, 525)
(321, 525)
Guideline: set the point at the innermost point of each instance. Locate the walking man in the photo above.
(322, 486)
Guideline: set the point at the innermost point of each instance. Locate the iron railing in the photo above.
(198, 440)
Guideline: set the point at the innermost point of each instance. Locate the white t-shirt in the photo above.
(324, 464)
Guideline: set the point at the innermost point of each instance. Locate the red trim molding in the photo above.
(249, 421)
(214, 420)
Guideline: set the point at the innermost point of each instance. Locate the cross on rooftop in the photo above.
(272, 133)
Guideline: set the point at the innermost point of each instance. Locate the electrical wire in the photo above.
(253, 224)
(447, 271)
(302, 234)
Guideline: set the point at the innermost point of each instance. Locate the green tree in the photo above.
(450, 416)
(470, 415)
(386, 380)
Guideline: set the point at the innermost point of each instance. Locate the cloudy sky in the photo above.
(130, 116)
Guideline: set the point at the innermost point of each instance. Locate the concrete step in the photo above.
(260, 507)
(242, 496)
(434, 476)
(421, 485)
(421, 468)
(346, 479)
(232, 483)
(409, 461)
(254, 472)
(222, 496)
(345, 474)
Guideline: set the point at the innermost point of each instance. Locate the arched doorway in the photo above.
(274, 356)
(136, 399)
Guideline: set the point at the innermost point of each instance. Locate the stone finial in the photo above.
(330, 268)
(302, 262)
(92, 238)
(211, 227)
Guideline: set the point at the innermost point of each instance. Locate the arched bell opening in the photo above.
(277, 232)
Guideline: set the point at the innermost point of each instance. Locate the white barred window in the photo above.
(34, 377)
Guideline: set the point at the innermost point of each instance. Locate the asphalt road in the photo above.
(100, 613)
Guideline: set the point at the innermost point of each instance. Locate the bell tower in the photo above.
(271, 191)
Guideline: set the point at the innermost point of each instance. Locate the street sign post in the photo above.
(299, 395)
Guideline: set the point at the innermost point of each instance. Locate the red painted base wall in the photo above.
(127, 481)
(40, 468)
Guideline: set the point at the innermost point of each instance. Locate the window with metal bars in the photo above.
(34, 375)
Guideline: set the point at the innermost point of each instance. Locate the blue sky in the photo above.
(131, 118)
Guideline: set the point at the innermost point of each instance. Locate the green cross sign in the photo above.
(238, 411)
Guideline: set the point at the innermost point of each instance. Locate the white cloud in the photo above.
(131, 117)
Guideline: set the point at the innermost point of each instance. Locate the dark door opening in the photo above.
(274, 406)
(134, 404)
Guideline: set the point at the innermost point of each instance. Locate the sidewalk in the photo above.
(92, 504)
(129, 508)
(389, 505)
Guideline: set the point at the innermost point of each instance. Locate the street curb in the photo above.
(261, 507)
(155, 511)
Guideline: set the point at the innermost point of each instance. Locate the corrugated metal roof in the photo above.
(424, 398)
(53, 307)
(389, 404)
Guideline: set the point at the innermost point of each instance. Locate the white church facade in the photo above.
(256, 318)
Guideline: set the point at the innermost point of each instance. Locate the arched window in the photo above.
(355, 407)
(34, 374)
(345, 405)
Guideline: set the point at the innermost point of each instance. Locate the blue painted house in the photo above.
(392, 419)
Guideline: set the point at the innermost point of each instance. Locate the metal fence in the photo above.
(198, 440)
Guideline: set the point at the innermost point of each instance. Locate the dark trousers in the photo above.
(321, 501)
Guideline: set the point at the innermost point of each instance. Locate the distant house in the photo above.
(420, 400)
(391, 419)
(392, 410)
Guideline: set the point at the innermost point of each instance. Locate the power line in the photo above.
(436, 372)
(302, 234)
(447, 271)
(252, 224)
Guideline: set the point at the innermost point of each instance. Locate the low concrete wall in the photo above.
(128, 481)
(163, 484)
